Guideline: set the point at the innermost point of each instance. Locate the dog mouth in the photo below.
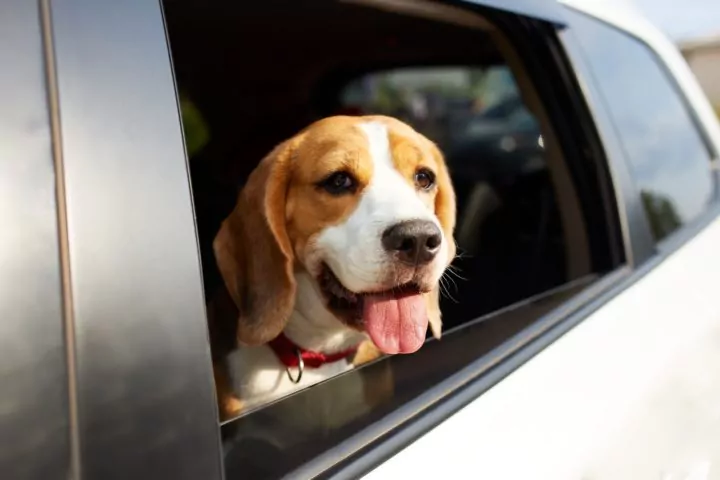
(343, 299)
(395, 319)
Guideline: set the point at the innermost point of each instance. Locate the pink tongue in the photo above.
(396, 324)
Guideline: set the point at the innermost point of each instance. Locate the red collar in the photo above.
(288, 353)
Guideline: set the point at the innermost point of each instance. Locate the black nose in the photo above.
(414, 241)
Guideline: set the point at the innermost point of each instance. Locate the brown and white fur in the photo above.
(299, 221)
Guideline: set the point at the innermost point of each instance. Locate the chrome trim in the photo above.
(66, 286)
(34, 421)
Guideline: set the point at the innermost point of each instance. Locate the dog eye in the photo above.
(338, 183)
(424, 178)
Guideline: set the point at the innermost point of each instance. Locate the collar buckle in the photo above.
(300, 367)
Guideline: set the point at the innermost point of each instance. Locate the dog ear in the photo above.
(432, 300)
(445, 204)
(254, 253)
(445, 210)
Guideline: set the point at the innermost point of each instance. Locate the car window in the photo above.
(527, 239)
(667, 154)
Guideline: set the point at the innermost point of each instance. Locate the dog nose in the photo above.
(414, 241)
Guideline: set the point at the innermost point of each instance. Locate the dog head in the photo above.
(365, 206)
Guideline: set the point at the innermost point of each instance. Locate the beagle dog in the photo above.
(331, 258)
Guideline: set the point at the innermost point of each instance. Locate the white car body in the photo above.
(632, 392)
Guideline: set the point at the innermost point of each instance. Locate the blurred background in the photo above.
(695, 26)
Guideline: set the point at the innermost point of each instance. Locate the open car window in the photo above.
(529, 238)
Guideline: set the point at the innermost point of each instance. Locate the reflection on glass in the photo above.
(475, 115)
(667, 155)
(453, 106)
(661, 213)
(508, 227)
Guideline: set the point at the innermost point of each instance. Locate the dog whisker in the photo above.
(460, 253)
(453, 272)
(451, 280)
(445, 291)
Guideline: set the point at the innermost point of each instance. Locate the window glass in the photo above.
(667, 155)
(509, 232)
(448, 104)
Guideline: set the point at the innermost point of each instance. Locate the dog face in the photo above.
(365, 206)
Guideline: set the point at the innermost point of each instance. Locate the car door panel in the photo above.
(631, 392)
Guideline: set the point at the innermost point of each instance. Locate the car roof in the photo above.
(623, 14)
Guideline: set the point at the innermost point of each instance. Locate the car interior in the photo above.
(251, 75)
(511, 236)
